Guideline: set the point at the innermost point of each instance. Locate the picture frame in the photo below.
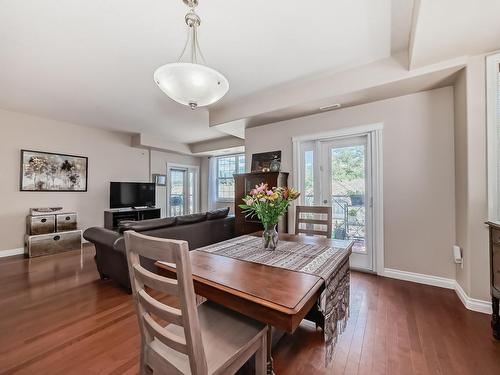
(42, 171)
(160, 179)
(266, 162)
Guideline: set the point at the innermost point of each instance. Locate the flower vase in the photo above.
(270, 238)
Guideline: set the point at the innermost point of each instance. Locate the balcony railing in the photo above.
(348, 216)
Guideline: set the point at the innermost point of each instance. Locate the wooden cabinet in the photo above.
(112, 218)
(495, 276)
(246, 182)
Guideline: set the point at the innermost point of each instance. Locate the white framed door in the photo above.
(182, 189)
(343, 169)
(346, 186)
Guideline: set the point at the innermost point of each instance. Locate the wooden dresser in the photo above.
(246, 182)
(495, 275)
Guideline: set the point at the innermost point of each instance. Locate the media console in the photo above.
(112, 218)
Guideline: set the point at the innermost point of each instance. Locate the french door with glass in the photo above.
(182, 191)
(337, 172)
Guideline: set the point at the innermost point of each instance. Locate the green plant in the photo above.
(268, 204)
(354, 192)
(352, 212)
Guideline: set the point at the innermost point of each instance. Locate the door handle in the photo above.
(325, 201)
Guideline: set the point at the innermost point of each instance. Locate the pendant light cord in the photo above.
(193, 21)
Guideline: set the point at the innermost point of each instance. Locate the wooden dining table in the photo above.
(278, 297)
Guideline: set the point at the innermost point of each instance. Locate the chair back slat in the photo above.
(314, 209)
(161, 249)
(177, 253)
(153, 281)
(311, 221)
(165, 312)
(173, 341)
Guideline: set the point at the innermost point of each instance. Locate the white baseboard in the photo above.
(472, 303)
(442, 282)
(420, 278)
(11, 252)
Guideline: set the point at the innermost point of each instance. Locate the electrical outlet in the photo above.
(457, 255)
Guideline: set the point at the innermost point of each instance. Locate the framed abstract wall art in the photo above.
(47, 171)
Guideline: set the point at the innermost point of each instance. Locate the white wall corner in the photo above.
(11, 252)
(472, 303)
(419, 278)
(413, 34)
(442, 282)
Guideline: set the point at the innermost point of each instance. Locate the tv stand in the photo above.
(112, 218)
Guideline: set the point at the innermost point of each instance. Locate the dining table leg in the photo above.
(270, 369)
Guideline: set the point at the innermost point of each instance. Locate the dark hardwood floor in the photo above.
(57, 317)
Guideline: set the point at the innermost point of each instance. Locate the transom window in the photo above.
(227, 166)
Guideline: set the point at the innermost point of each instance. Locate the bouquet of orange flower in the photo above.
(268, 205)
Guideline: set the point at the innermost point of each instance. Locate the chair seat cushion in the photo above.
(224, 334)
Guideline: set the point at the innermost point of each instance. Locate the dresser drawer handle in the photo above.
(57, 238)
(68, 218)
(43, 220)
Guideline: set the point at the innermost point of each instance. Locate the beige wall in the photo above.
(471, 179)
(204, 184)
(461, 177)
(419, 178)
(477, 179)
(110, 159)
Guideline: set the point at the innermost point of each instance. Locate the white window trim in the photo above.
(225, 200)
(375, 132)
(196, 192)
(492, 76)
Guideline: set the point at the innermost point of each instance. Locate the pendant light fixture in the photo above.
(193, 83)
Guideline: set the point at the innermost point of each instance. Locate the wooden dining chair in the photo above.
(208, 339)
(314, 216)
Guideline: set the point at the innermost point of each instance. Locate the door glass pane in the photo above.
(309, 178)
(191, 186)
(348, 194)
(177, 193)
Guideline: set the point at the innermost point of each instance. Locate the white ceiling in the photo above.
(446, 29)
(91, 62)
(401, 20)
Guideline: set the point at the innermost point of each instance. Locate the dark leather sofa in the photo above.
(197, 229)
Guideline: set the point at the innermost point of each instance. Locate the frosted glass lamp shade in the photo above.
(190, 84)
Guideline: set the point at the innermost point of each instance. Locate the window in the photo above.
(493, 117)
(226, 167)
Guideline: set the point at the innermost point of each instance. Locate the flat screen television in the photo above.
(132, 194)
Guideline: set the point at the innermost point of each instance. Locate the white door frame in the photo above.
(196, 191)
(374, 132)
(364, 260)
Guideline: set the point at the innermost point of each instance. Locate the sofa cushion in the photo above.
(144, 225)
(199, 234)
(217, 214)
(191, 219)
